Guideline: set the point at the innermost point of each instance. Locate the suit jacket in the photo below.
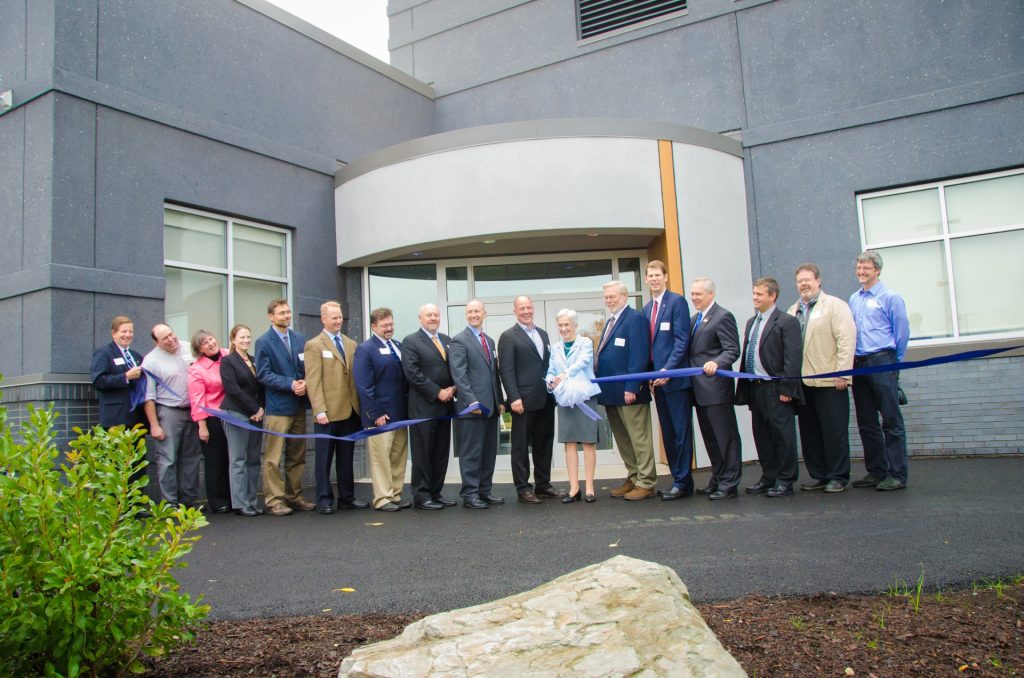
(830, 339)
(626, 351)
(426, 372)
(523, 369)
(380, 382)
(717, 340)
(113, 390)
(671, 337)
(243, 392)
(475, 379)
(781, 352)
(330, 381)
(276, 369)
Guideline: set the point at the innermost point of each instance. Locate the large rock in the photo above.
(622, 617)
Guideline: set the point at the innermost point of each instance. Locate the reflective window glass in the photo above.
(918, 273)
(196, 300)
(251, 298)
(457, 283)
(552, 277)
(194, 239)
(902, 216)
(403, 289)
(630, 274)
(258, 250)
(992, 203)
(989, 279)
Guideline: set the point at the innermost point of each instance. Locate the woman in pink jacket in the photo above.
(205, 390)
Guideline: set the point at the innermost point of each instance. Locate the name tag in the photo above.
(620, 341)
(873, 303)
(384, 351)
(328, 354)
(664, 327)
(302, 357)
(119, 361)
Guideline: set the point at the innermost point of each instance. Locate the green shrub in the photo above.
(86, 583)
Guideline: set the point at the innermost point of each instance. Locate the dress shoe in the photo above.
(623, 489)
(222, 509)
(589, 498)
(278, 510)
(259, 511)
(325, 510)
(301, 504)
(723, 494)
(198, 506)
(491, 499)
(570, 498)
(813, 486)
(638, 493)
(867, 481)
(389, 506)
(429, 505)
(475, 504)
(354, 504)
(673, 493)
(710, 489)
(890, 484)
(834, 486)
(780, 490)
(445, 502)
(528, 498)
(404, 504)
(760, 487)
(247, 512)
(549, 491)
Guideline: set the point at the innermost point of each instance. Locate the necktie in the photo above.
(803, 314)
(654, 320)
(394, 353)
(696, 324)
(439, 347)
(341, 349)
(609, 326)
(128, 358)
(487, 349)
(748, 364)
(287, 343)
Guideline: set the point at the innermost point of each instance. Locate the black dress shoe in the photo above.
(549, 491)
(723, 494)
(354, 504)
(710, 489)
(445, 502)
(247, 512)
(760, 487)
(260, 511)
(589, 498)
(570, 498)
(491, 499)
(222, 509)
(475, 504)
(780, 490)
(404, 504)
(673, 493)
(429, 505)
(326, 510)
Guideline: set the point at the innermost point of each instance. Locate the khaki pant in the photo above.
(631, 426)
(289, 489)
(388, 452)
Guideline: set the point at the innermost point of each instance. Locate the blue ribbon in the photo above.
(871, 369)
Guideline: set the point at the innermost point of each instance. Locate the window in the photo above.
(601, 17)
(403, 289)
(952, 250)
(221, 271)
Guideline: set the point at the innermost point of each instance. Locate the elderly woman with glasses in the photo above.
(205, 390)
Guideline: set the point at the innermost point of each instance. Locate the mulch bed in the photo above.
(976, 632)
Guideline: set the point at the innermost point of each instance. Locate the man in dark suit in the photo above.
(524, 351)
(625, 348)
(668, 318)
(714, 345)
(474, 366)
(116, 371)
(431, 394)
(383, 394)
(772, 346)
(281, 370)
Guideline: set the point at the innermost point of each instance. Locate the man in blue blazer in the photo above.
(383, 397)
(117, 376)
(281, 370)
(625, 348)
(668, 318)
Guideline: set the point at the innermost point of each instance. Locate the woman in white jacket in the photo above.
(568, 378)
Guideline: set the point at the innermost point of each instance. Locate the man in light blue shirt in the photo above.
(883, 331)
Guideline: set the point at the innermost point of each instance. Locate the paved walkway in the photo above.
(960, 519)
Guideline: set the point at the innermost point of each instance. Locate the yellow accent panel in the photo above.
(666, 246)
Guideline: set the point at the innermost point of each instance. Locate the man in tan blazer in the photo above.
(335, 404)
(829, 338)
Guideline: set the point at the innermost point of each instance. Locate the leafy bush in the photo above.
(86, 558)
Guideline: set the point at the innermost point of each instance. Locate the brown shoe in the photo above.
(278, 510)
(623, 489)
(528, 498)
(639, 493)
(301, 504)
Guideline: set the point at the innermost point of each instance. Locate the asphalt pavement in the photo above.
(959, 520)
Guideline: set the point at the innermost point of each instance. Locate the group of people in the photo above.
(214, 404)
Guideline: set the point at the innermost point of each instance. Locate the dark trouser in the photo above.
(774, 424)
(478, 448)
(428, 446)
(885, 446)
(341, 451)
(722, 439)
(824, 418)
(532, 431)
(675, 416)
(215, 465)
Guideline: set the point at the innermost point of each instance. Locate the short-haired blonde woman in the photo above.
(569, 379)
(205, 389)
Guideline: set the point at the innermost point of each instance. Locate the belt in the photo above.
(174, 407)
(862, 358)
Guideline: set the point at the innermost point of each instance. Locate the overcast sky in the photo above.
(363, 23)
